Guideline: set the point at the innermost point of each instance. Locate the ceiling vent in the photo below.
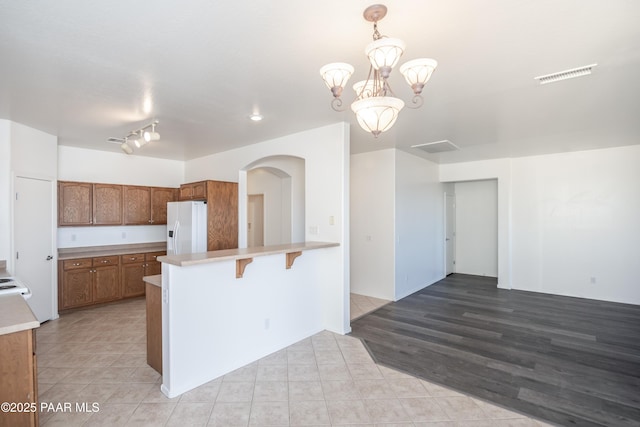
(564, 75)
(437, 147)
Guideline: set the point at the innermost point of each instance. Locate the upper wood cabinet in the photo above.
(107, 204)
(160, 196)
(194, 191)
(146, 205)
(84, 203)
(137, 205)
(75, 203)
(222, 211)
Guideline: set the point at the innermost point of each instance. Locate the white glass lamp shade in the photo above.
(336, 75)
(367, 88)
(417, 72)
(377, 114)
(384, 54)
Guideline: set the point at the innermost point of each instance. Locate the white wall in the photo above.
(373, 224)
(419, 219)
(263, 181)
(499, 169)
(79, 164)
(5, 189)
(326, 154)
(477, 227)
(564, 219)
(397, 224)
(576, 220)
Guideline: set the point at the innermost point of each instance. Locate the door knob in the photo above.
(49, 258)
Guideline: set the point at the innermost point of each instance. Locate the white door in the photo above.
(33, 243)
(255, 220)
(450, 233)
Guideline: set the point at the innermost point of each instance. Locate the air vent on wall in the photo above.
(437, 146)
(564, 75)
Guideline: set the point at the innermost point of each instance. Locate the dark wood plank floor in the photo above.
(569, 361)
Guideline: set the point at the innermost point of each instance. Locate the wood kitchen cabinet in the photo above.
(134, 267)
(84, 203)
(147, 205)
(19, 377)
(75, 203)
(222, 211)
(154, 326)
(194, 191)
(86, 281)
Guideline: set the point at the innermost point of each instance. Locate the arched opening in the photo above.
(272, 201)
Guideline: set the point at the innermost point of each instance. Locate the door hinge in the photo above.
(16, 196)
(17, 255)
(454, 262)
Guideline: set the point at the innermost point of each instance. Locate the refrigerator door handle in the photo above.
(176, 238)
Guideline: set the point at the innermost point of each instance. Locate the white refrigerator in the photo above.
(186, 227)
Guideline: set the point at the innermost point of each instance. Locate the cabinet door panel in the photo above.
(106, 283)
(131, 276)
(137, 205)
(76, 288)
(75, 203)
(107, 204)
(159, 199)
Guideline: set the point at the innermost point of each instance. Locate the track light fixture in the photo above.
(138, 138)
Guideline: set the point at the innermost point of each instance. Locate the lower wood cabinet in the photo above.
(134, 268)
(19, 377)
(154, 326)
(86, 281)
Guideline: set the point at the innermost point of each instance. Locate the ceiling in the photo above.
(82, 70)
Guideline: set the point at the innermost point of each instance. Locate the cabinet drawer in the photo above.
(132, 258)
(106, 260)
(152, 256)
(72, 264)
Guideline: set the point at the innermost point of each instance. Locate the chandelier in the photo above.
(376, 107)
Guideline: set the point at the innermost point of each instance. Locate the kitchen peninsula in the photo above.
(224, 309)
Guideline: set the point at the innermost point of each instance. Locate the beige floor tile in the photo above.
(305, 390)
(190, 414)
(244, 374)
(151, 414)
(99, 393)
(112, 414)
(340, 390)
(374, 389)
(347, 412)
(303, 373)
(334, 372)
(329, 356)
(272, 373)
(235, 392)
(230, 414)
(386, 410)
(365, 371)
(271, 391)
(67, 419)
(407, 387)
(461, 408)
(277, 358)
(130, 393)
(309, 413)
(205, 393)
(424, 409)
(269, 413)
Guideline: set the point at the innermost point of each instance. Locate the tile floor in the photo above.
(98, 355)
(362, 304)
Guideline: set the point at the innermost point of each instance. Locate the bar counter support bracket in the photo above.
(241, 264)
(291, 256)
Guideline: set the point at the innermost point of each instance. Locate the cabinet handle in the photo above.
(132, 258)
(75, 264)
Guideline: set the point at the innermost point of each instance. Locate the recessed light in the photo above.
(256, 117)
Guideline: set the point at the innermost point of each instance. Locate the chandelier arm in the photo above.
(336, 104)
(416, 102)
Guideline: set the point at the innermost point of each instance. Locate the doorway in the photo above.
(450, 233)
(33, 242)
(255, 220)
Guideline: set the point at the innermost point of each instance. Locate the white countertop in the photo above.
(242, 253)
(98, 251)
(155, 280)
(15, 315)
